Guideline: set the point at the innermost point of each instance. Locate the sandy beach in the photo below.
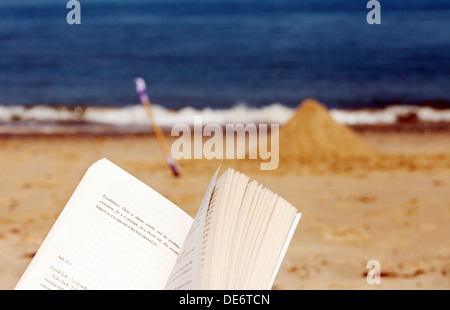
(394, 208)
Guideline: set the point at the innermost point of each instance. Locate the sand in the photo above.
(393, 207)
(311, 135)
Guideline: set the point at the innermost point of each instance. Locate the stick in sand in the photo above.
(142, 91)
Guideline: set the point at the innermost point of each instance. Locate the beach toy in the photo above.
(141, 89)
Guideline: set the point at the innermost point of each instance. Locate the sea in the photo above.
(247, 61)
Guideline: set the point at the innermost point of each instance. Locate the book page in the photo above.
(272, 243)
(209, 245)
(239, 236)
(114, 233)
(284, 249)
(227, 227)
(187, 271)
(256, 232)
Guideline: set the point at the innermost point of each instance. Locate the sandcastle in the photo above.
(312, 136)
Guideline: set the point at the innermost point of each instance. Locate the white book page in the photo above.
(186, 274)
(209, 245)
(284, 249)
(114, 233)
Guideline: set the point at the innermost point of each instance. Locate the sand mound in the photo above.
(312, 135)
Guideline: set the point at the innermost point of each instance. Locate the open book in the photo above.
(117, 233)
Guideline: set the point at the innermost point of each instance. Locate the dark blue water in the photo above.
(216, 53)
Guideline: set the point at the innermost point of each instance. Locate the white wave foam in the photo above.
(36, 113)
(136, 116)
(432, 115)
(370, 117)
(273, 114)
